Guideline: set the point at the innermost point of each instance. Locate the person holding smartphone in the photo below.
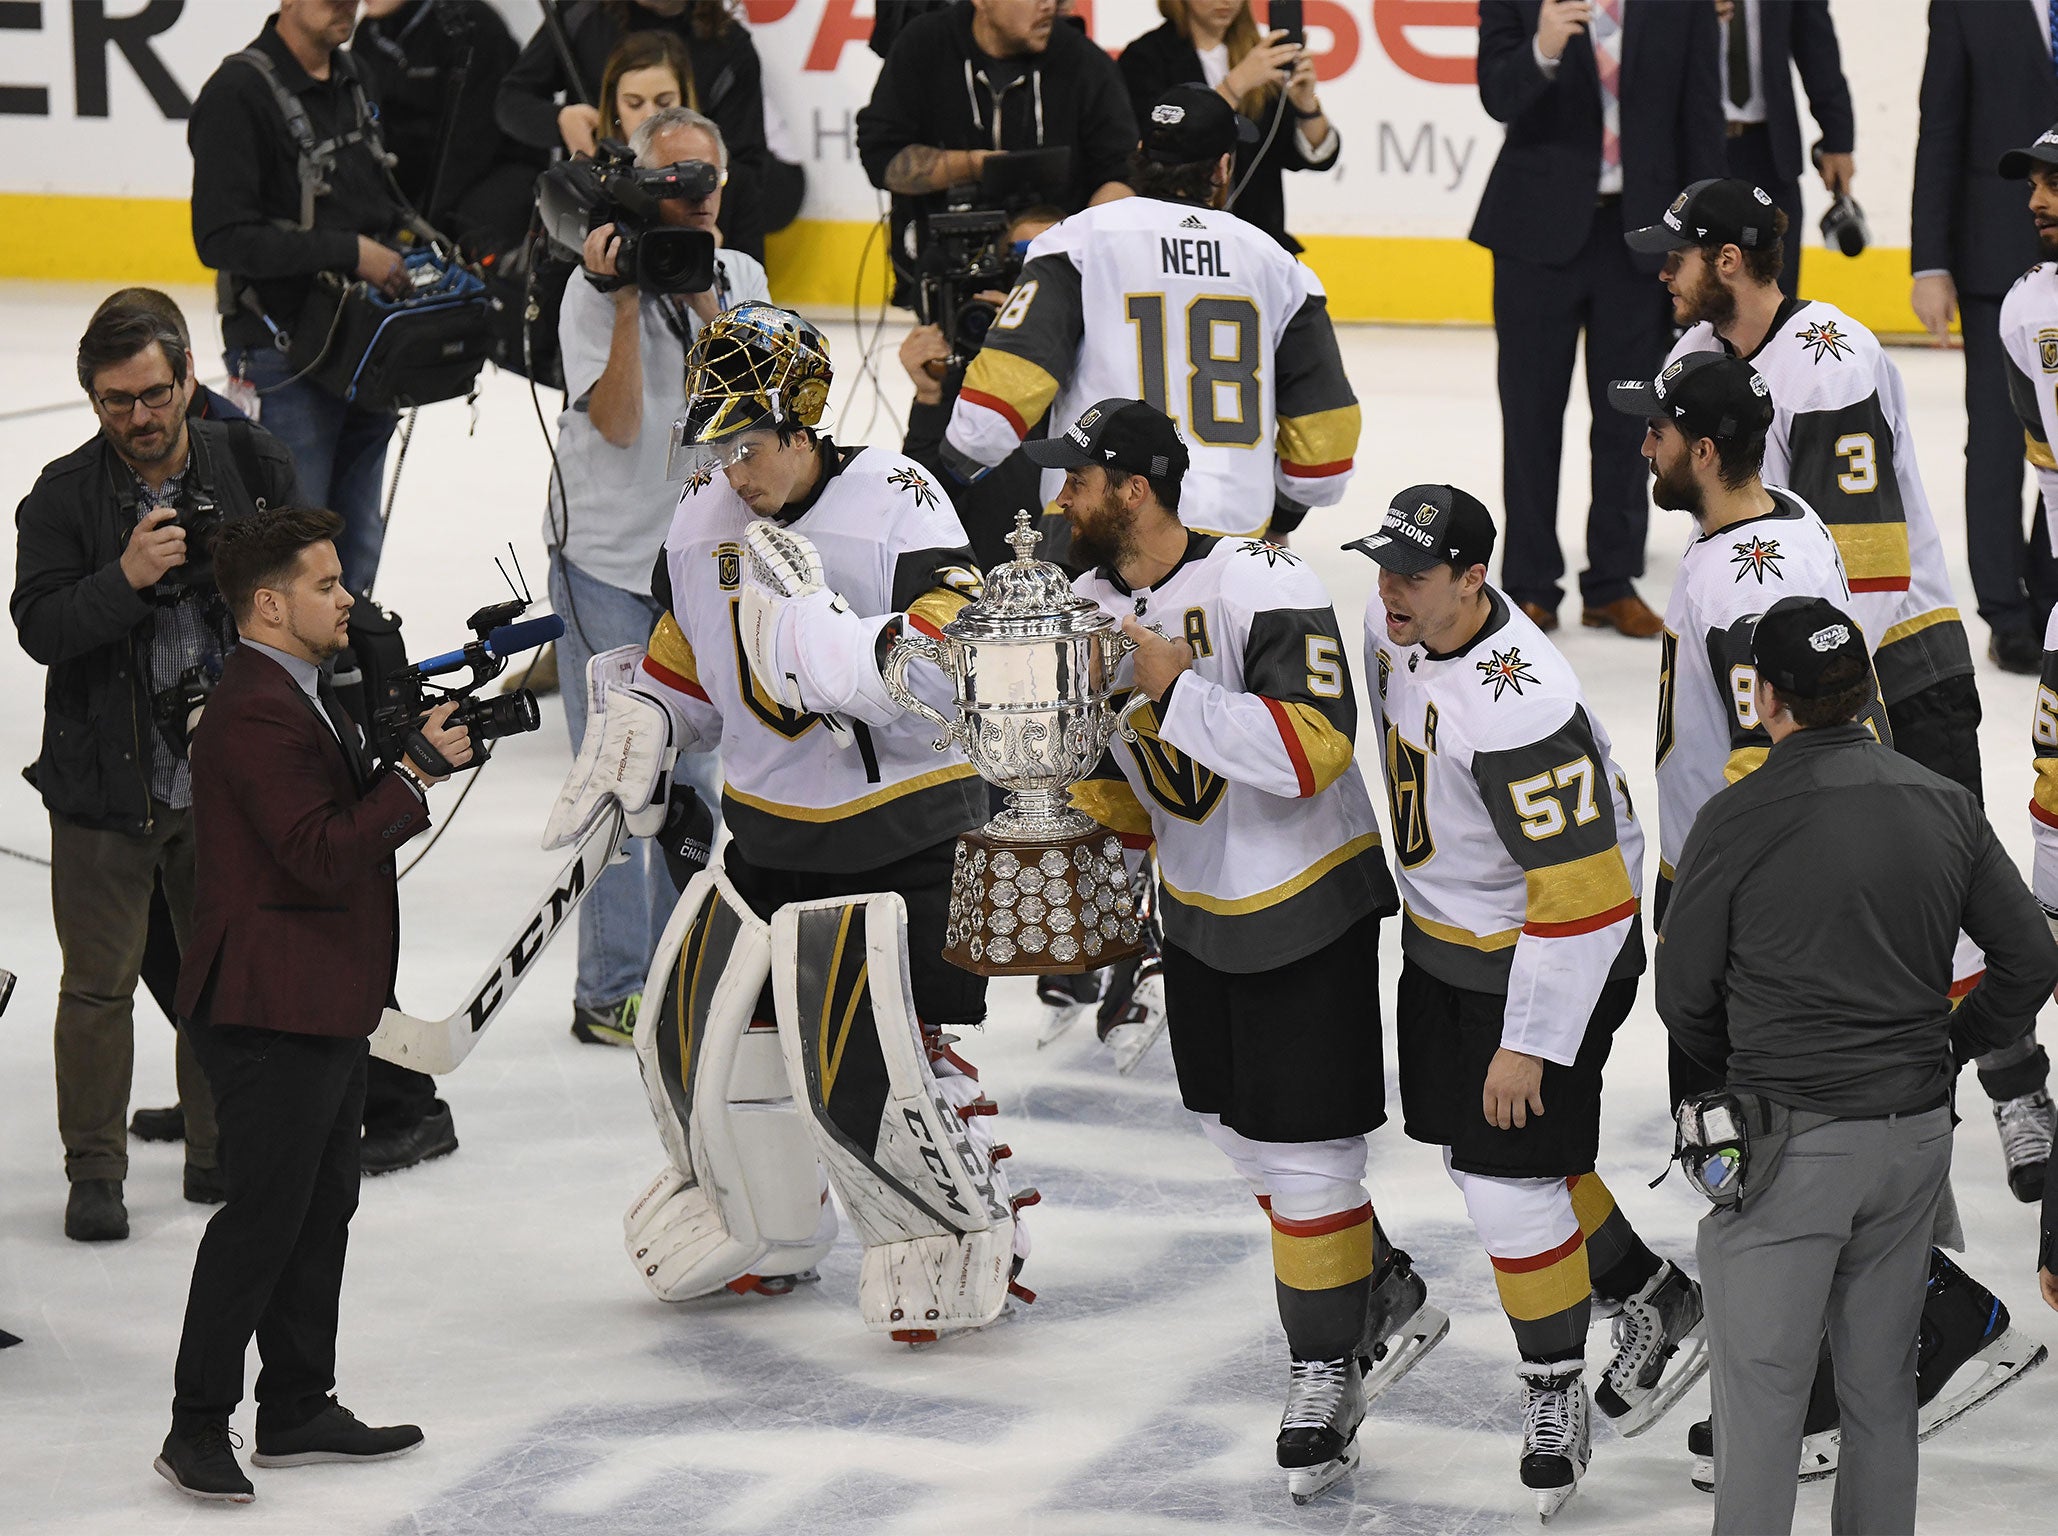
(1267, 74)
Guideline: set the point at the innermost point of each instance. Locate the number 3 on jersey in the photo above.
(1222, 365)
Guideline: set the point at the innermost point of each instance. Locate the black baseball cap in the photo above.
(1709, 394)
(1719, 211)
(1430, 525)
(1115, 434)
(2015, 165)
(1809, 648)
(1189, 123)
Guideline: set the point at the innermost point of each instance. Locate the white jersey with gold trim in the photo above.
(1520, 856)
(2029, 337)
(1841, 441)
(1244, 773)
(891, 544)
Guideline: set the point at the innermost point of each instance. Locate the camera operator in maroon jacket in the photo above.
(291, 958)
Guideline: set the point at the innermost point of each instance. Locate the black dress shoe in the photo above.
(2016, 650)
(334, 1434)
(205, 1186)
(94, 1212)
(202, 1461)
(159, 1124)
(431, 1136)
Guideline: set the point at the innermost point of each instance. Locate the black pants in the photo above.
(271, 1260)
(1538, 314)
(1750, 159)
(2014, 577)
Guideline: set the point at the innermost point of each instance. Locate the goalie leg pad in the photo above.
(744, 1194)
(938, 1225)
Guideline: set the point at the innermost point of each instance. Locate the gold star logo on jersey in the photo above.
(1505, 670)
(911, 480)
(1270, 553)
(1756, 557)
(1824, 339)
(702, 477)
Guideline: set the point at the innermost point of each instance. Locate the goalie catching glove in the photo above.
(626, 756)
(805, 645)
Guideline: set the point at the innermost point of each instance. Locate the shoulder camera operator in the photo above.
(986, 76)
(268, 232)
(611, 504)
(114, 594)
(294, 946)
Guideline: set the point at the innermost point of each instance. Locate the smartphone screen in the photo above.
(1285, 16)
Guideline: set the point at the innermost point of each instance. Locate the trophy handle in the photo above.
(894, 675)
(1119, 646)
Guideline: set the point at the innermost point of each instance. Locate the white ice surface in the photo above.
(488, 1298)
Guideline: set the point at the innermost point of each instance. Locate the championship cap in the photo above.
(1709, 394)
(1719, 211)
(1189, 123)
(1116, 434)
(2015, 165)
(1809, 648)
(1431, 525)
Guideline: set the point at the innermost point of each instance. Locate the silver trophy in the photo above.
(1042, 888)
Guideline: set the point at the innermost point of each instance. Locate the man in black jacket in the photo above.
(1807, 961)
(990, 75)
(268, 231)
(1987, 87)
(1763, 42)
(1611, 106)
(112, 596)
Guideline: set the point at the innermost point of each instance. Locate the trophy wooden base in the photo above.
(1054, 907)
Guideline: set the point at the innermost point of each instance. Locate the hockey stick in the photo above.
(439, 1045)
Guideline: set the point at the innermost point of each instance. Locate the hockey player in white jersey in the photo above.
(1707, 416)
(1167, 297)
(801, 1043)
(1841, 441)
(1521, 866)
(1272, 884)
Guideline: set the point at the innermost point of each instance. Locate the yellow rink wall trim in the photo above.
(816, 264)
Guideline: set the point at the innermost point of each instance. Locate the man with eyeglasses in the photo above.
(114, 594)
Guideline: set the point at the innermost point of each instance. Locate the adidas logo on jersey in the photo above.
(1192, 221)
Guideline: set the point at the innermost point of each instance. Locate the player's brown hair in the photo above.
(1839, 708)
(1766, 262)
(261, 550)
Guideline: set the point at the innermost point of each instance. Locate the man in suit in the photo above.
(1988, 85)
(1763, 42)
(1611, 106)
(291, 958)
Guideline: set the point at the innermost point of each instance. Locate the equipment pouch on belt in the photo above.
(1731, 1143)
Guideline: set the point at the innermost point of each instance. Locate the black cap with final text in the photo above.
(1707, 394)
(1430, 525)
(1119, 434)
(1718, 211)
(1190, 123)
(1809, 648)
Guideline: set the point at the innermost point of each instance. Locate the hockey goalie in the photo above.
(801, 1039)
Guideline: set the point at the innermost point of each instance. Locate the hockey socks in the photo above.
(1617, 1259)
(1548, 1299)
(1322, 1269)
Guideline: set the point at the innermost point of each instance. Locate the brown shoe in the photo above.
(1545, 619)
(1629, 615)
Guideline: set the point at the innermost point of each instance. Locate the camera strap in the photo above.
(317, 157)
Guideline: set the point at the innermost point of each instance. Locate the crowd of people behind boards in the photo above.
(755, 618)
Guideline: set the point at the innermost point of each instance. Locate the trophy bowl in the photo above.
(1041, 889)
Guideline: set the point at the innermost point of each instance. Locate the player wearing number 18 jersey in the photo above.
(1167, 297)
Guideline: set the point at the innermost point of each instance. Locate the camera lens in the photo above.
(509, 715)
(674, 261)
(974, 319)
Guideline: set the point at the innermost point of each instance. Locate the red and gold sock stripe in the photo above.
(1323, 1253)
(1543, 1284)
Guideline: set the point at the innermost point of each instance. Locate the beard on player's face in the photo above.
(1673, 485)
(1700, 294)
(1103, 530)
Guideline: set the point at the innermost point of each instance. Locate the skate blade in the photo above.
(1550, 1500)
(1818, 1461)
(1057, 1018)
(1132, 1042)
(1305, 1483)
(2005, 1361)
(1689, 1363)
(1405, 1347)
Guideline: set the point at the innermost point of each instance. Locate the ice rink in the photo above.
(488, 1298)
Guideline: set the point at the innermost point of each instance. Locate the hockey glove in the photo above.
(626, 756)
(785, 571)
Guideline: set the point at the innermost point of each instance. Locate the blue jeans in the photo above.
(339, 453)
(622, 919)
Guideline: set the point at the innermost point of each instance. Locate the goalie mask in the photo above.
(754, 367)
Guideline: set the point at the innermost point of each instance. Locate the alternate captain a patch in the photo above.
(1505, 670)
(1823, 339)
(907, 478)
(1756, 557)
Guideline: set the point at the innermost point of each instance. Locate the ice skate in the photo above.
(1065, 1000)
(1966, 1350)
(1661, 1349)
(1133, 1028)
(1556, 1433)
(1818, 1454)
(1318, 1434)
(2025, 1125)
(1400, 1327)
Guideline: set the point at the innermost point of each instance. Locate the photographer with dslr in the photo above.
(611, 504)
(114, 594)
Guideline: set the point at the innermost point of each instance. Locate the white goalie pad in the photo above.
(624, 758)
(925, 1194)
(744, 1196)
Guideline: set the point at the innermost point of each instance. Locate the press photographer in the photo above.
(611, 498)
(114, 595)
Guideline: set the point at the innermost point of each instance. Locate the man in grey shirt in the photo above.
(1806, 957)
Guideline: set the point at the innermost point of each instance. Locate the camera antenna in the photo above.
(521, 591)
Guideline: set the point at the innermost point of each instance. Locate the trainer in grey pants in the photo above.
(1841, 1235)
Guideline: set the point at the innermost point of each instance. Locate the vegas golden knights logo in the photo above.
(2047, 350)
(1407, 798)
(790, 723)
(728, 566)
(1178, 783)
